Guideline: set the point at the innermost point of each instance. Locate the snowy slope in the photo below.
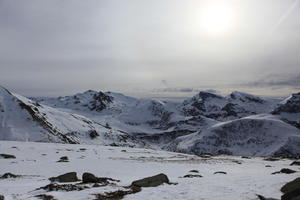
(289, 110)
(258, 135)
(26, 120)
(36, 162)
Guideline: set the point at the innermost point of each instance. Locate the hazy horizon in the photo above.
(163, 49)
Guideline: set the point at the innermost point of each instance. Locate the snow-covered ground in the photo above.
(36, 162)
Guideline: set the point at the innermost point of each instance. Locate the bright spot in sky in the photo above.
(217, 18)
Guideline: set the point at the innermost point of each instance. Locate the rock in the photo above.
(9, 175)
(63, 159)
(89, 178)
(220, 172)
(264, 198)
(192, 176)
(1, 197)
(45, 197)
(63, 187)
(194, 171)
(293, 195)
(7, 156)
(268, 166)
(290, 186)
(68, 177)
(285, 171)
(152, 181)
(246, 157)
(271, 159)
(295, 163)
(119, 194)
(82, 149)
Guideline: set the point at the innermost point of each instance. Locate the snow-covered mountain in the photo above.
(238, 123)
(258, 135)
(289, 110)
(25, 120)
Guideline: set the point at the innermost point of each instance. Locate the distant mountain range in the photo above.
(207, 123)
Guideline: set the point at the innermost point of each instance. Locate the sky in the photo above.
(157, 48)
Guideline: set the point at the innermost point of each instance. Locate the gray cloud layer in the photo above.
(55, 47)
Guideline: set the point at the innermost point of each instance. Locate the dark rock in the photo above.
(260, 197)
(293, 195)
(82, 149)
(220, 172)
(246, 157)
(295, 163)
(93, 134)
(119, 194)
(7, 156)
(194, 171)
(272, 159)
(45, 197)
(152, 181)
(285, 171)
(63, 187)
(192, 176)
(89, 178)
(9, 175)
(1, 197)
(268, 166)
(63, 159)
(68, 177)
(290, 186)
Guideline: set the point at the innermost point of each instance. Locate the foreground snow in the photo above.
(37, 162)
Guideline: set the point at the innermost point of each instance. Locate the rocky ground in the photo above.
(65, 171)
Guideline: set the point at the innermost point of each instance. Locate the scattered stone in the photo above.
(82, 149)
(295, 163)
(1, 197)
(9, 175)
(194, 171)
(62, 187)
(117, 195)
(63, 159)
(290, 186)
(44, 154)
(68, 177)
(123, 150)
(7, 156)
(246, 157)
(192, 176)
(220, 172)
(45, 197)
(268, 166)
(264, 198)
(271, 159)
(237, 162)
(152, 181)
(91, 178)
(285, 171)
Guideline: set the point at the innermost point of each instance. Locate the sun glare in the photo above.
(216, 18)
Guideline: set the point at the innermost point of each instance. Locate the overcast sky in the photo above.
(147, 47)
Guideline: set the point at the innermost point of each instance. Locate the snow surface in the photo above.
(37, 162)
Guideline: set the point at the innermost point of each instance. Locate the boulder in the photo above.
(152, 181)
(285, 171)
(1, 197)
(295, 163)
(9, 175)
(68, 177)
(89, 178)
(290, 186)
(63, 159)
(220, 172)
(293, 195)
(7, 156)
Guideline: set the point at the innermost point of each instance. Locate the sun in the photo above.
(216, 18)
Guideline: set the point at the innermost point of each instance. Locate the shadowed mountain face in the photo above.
(239, 123)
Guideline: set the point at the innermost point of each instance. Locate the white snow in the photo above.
(37, 162)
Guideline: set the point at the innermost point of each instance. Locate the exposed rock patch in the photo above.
(152, 181)
(68, 177)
